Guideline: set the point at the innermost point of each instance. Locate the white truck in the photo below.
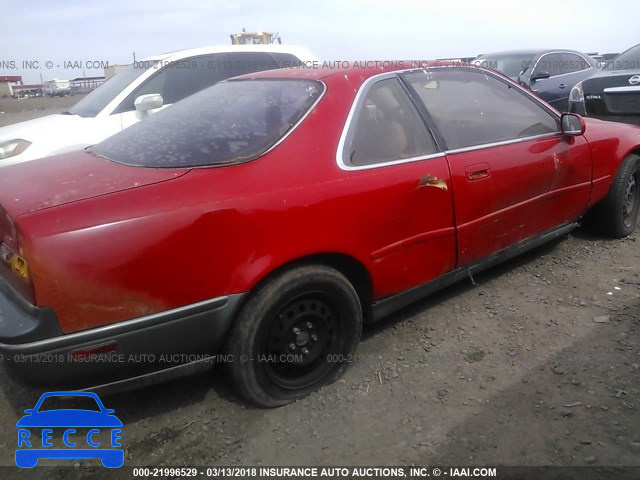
(56, 87)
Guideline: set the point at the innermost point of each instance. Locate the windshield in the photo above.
(230, 122)
(629, 60)
(76, 402)
(509, 64)
(93, 103)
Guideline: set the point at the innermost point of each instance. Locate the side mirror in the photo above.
(572, 124)
(28, 411)
(151, 101)
(539, 75)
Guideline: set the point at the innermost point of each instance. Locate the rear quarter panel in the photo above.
(211, 232)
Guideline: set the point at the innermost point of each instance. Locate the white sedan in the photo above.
(141, 89)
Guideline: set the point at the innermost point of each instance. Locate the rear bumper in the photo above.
(580, 109)
(33, 352)
(21, 322)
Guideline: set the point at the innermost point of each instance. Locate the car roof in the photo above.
(365, 69)
(301, 52)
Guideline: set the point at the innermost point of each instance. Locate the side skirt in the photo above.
(394, 303)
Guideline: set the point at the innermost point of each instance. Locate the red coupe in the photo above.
(266, 218)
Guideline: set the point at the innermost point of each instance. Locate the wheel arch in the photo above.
(353, 269)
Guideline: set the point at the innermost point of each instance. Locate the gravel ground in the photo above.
(538, 364)
(18, 110)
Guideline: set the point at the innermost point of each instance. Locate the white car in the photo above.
(141, 89)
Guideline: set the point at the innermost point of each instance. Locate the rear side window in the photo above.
(386, 127)
(573, 63)
(231, 122)
(628, 60)
(179, 79)
(286, 60)
(470, 107)
(551, 63)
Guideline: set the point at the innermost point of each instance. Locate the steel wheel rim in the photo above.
(631, 201)
(298, 340)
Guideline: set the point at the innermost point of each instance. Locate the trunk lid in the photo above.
(613, 94)
(52, 181)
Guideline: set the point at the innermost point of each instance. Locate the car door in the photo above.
(179, 79)
(512, 170)
(391, 158)
(550, 89)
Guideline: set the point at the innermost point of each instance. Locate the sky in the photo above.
(111, 31)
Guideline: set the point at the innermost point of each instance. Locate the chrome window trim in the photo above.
(302, 119)
(350, 168)
(502, 143)
(635, 88)
(562, 74)
(364, 88)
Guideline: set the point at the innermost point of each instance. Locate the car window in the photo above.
(509, 64)
(386, 127)
(550, 63)
(471, 107)
(628, 60)
(179, 79)
(286, 60)
(99, 98)
(573, 63)
(65, 402)
(230, 122)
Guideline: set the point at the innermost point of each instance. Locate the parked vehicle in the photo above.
(612, 93)
(550, 74)
(140, 90)
(268, 216)
(57, 88)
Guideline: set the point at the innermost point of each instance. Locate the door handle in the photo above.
(562, 85)
(476, 172)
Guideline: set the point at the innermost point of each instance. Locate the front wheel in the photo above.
(617, 215)
(294, 335)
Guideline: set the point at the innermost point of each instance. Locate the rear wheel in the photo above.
(294, 335)
(617, 215)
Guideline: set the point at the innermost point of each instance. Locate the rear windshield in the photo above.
(629, 60)
(230, 122)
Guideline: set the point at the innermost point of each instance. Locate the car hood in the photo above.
(69, 418)
(52, 181)
(58, 133)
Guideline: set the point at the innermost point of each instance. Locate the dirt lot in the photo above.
(18, 110)
(538, 364)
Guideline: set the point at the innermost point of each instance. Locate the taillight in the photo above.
(18, 271)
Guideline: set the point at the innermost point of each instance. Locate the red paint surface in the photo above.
(107, 242)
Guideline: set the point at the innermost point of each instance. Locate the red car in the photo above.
(267, 217)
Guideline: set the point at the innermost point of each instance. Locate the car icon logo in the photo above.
(79, 432)
(634, 80)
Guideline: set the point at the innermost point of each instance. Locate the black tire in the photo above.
(617, 215)
(311, 312)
